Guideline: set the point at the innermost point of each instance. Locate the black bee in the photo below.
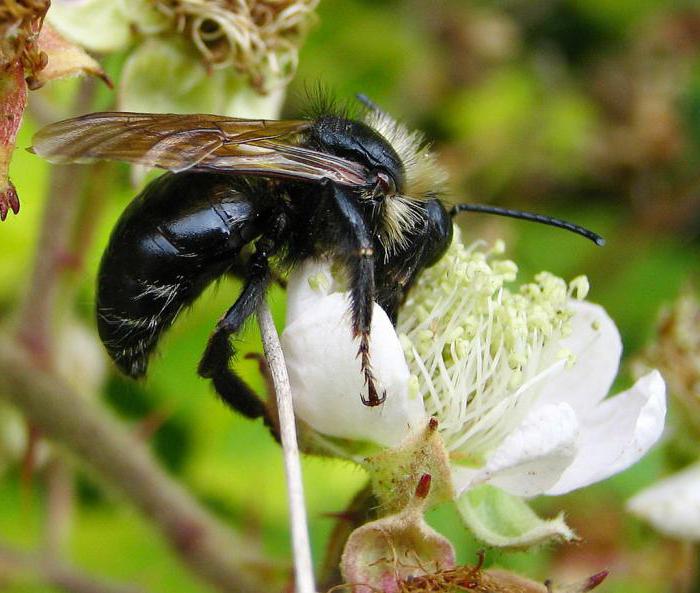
(244, 194)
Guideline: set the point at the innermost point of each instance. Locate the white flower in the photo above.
(517, 381)
(325, 373)
(258, 39)
(673, 505)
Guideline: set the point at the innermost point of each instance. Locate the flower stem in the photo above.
(303, 567)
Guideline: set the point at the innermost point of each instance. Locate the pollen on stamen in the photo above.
(479, 350)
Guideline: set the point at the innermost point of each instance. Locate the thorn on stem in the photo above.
(187, 535)
(9, 200)
(595, 580)
(480, 559)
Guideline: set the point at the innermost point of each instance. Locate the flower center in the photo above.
(479, 352)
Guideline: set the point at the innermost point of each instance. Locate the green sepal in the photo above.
(501, 519)
(166, 75)
(395, 472)
(96, 25)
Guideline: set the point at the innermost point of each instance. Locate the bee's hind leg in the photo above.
(215, 363)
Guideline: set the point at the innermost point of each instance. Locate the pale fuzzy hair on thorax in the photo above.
(425, 179)
(424, 176)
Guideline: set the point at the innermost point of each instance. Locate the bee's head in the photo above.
(358, 142)
(402, 170)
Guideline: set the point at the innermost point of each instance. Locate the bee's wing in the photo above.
(195, 142)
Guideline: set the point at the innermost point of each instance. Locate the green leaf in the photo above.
(500, 519)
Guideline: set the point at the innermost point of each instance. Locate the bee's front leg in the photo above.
(358, 251)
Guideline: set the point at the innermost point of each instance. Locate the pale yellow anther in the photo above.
(476, 348)
(319, 282)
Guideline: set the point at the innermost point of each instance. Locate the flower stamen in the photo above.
(480, 351)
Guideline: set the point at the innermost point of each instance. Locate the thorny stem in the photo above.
(36, 316)
(303, 567)
(37, 312)
(72, 211)
(59, 507)
(210, 550)
(88, 430)
(56, 574)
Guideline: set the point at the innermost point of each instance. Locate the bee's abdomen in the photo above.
(173, 240)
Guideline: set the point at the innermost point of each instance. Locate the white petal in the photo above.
(673, 505)
(617, 433)
(533, 457)
(596, 343)
(326, 381)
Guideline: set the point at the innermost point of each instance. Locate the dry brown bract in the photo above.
(30, 55)
(676, 353)
(20, 24)
(260, 38)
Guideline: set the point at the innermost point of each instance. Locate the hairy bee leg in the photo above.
(215, 362)
(361, 267)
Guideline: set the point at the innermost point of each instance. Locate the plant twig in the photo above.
(35, 322)
(303, 567)
(57, 574)
(59, 507)
(362, 509)
(28, 380)
(37, 311)
(212, 551)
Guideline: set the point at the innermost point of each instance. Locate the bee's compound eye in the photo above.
(385, 183)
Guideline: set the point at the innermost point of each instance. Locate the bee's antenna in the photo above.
(367, 102)
(557, 222)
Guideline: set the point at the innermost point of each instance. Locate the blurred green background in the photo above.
(583, 109)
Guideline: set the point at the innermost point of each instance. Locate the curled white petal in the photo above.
(616, 433)
(531, 458)
(325, 375)
(595, 343)
(672, 506)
